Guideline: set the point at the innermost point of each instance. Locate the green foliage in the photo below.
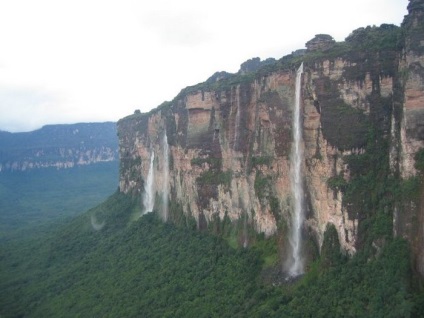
(339, 49)
(342, 125)
(373, 38)
(371, 193)
(419, 161)
(337, 183)
(267, 249)
(224, 84)
(31, 200)
(211, 177)
(153, 269)
(261, 160)
(275, 208)
(261, 185)
(330, 251)
(177, 216)
(410, 188)
(141, 269)
(357, 288)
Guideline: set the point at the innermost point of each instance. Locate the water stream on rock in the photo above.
(237, 125)
(149, 193)
(165, 194)
(296, 267)
(236, 147)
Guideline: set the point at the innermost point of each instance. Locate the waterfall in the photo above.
(149, 192)
(237, 123)
(236, 147)
(165, 193)
(296, 268)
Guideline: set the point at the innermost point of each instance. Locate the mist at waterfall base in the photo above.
(294, 265)
(95, 224)
(165, 194)
(149, 193)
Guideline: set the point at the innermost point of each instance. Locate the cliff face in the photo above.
(412, 67)
(230, 140)
(409, 217)
(59, 146)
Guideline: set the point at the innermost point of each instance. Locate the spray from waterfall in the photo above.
(296, 267)
(165, 194)
(149, 192)
(95, 224)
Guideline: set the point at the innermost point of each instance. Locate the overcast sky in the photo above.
(99, 60)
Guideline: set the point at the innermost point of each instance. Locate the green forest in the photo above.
(32, 200)
(142, 267)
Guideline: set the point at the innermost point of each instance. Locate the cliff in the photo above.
(230, 141)
(59, 146)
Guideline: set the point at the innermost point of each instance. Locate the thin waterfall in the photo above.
(296, 268)
(165, 194)
(237, 124)
(149, 192)
(245, 216)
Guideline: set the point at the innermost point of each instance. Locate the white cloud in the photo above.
(99, 60)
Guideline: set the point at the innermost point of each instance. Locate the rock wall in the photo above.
(409, 217)
(230, 151)
(230, 140)
(412, 69)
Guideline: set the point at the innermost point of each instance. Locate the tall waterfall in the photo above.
(237, 160)
(237, 126)
(149, 191)
(296, 267)
(165, 193)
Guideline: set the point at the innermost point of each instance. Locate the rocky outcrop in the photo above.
(320, 42)
(59, 146)
(230, 138)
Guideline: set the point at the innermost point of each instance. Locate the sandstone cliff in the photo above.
(58, 146)
(230, 140)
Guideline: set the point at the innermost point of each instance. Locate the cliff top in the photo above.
(320, 42)
(364, 41)
(415, 5)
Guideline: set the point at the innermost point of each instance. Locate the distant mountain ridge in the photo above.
(59, 146)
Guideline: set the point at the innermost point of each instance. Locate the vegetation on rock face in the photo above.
(419, 161)
(373, 38)
(215, 178)
(343, 126)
